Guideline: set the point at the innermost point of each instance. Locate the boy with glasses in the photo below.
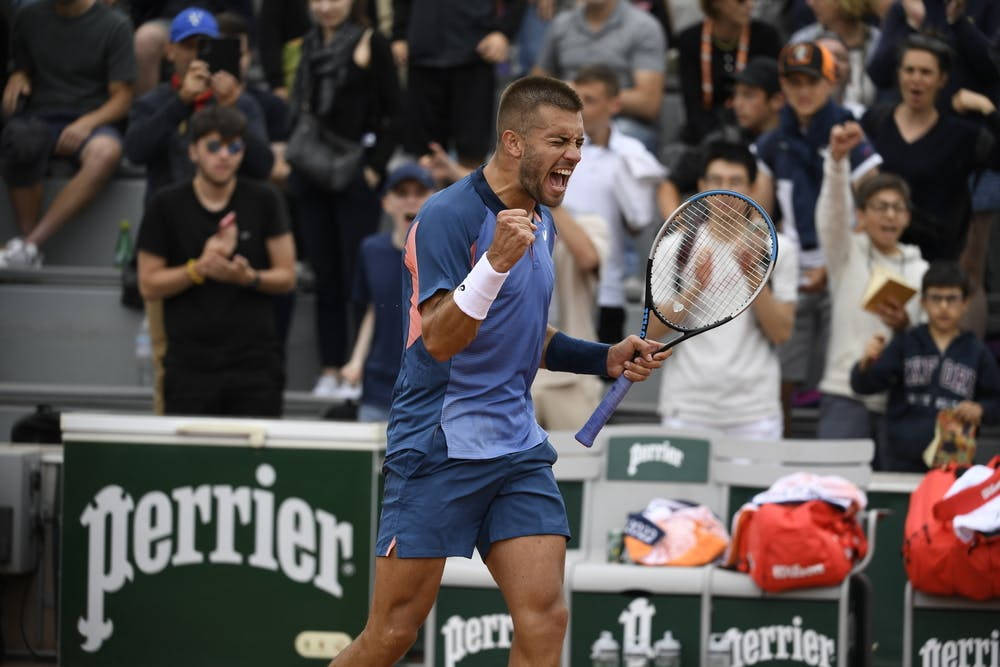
(853, 257)
(215, 249)
(929, 368)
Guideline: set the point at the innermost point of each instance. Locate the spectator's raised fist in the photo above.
(844, 138)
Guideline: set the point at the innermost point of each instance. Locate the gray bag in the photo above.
(324, 158)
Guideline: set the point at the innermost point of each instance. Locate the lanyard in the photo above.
(707, 88)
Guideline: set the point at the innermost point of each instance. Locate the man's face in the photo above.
(841, 58)
(598, 106)
(551, 150)
(884, 218)
(920, 78)
(183, 53)
(806, 94)
(945, 307)
(724, 175)
(754, 110)
(217, 159)
(403, 202)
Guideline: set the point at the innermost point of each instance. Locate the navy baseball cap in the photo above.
(760, 72)
(193, 21)
(410, 171)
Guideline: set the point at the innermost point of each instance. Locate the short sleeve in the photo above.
(785, 278)
(153, 236)
(121, 52)
(649, 46)
(444, 252)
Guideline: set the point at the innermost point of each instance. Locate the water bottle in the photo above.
(636, 656)
(667, 651)
(123, 244)
(604, 652)
(144, 354)
(719, 654)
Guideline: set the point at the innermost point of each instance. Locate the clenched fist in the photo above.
(515, 232)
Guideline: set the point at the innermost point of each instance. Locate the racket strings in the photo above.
(709, 262)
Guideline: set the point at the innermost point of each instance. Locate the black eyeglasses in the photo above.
(214, 146)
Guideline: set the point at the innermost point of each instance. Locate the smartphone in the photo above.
(221, 54)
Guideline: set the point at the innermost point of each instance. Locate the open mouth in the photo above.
(559, 179)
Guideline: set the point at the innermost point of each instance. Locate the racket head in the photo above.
(709, 261)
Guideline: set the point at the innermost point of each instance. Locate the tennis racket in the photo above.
(707, 264)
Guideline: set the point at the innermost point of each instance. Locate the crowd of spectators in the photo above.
(868, 128)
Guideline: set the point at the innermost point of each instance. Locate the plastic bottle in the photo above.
(719, 654)
(123, 244)
(604, 652)
(636, 656)
(144, 355)
(667, 651)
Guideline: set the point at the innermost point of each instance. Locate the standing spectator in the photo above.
(281, 26)
(379, 345)
(852, 258)
(626, 39)
(728, 379)
(790, 158)
(214, 250)
(618, 180)
(846, 20)
(348, 81)
(157, 135)
(451, 49)
(711, 53)
(934, 152)
(71, 86)
(929, 368)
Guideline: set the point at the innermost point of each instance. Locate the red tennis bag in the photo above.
(796, 545)
(936, 560)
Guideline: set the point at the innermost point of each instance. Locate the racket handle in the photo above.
(602, 413)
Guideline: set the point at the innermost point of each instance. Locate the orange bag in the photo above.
(796, 545)
(936, 560)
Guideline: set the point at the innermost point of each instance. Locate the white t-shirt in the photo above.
(730, 374)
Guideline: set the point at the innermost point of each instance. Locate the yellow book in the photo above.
(885, 285)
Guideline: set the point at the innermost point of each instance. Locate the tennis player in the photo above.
(467, 464)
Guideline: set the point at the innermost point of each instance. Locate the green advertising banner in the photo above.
(956, 638)
(473, 628)
(657, 458)
(775, 631)
(213, 555)
(634, 621)
(572, 493)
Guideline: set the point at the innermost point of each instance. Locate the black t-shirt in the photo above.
(215, 325)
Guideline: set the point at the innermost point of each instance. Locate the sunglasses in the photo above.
(213, 146)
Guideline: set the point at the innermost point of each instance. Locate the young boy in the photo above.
(377, 284)
(882, 207)
(929, 368)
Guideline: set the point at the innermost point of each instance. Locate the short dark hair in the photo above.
(927, 42)
(232, 24)
(520, 101)
(599, 74)
(227, 121)
(946, 273)
(872, 185)
(728, 151)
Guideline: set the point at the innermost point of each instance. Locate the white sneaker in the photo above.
(349, 392)
(20, 255)
(327, 386)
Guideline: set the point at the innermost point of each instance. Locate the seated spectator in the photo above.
(626, 39)
(882, 206)
(711, 53)
(928, 368)
(757, 97)
(347, 79)
(845, 19)
(70, 88)
(619, 181)
(153, 32)
(791, 157)
(451, 49)
(157, 131)
(371, 371)
(214, 250)
(727, 380)
(934, 152)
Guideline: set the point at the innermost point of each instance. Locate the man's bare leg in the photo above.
(98, 162)
(405, 590)
(529, 571)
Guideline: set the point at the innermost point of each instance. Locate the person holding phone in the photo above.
(157, 133)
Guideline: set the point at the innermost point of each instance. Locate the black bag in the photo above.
(321, 156)
(41, 426)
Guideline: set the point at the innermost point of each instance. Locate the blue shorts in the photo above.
(436, 507)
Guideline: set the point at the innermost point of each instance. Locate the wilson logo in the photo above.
(796, 571)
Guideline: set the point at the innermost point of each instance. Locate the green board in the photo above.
(656, 458)
(473, 628)
(775, 631)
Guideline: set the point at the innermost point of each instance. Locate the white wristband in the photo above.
(477, 292)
